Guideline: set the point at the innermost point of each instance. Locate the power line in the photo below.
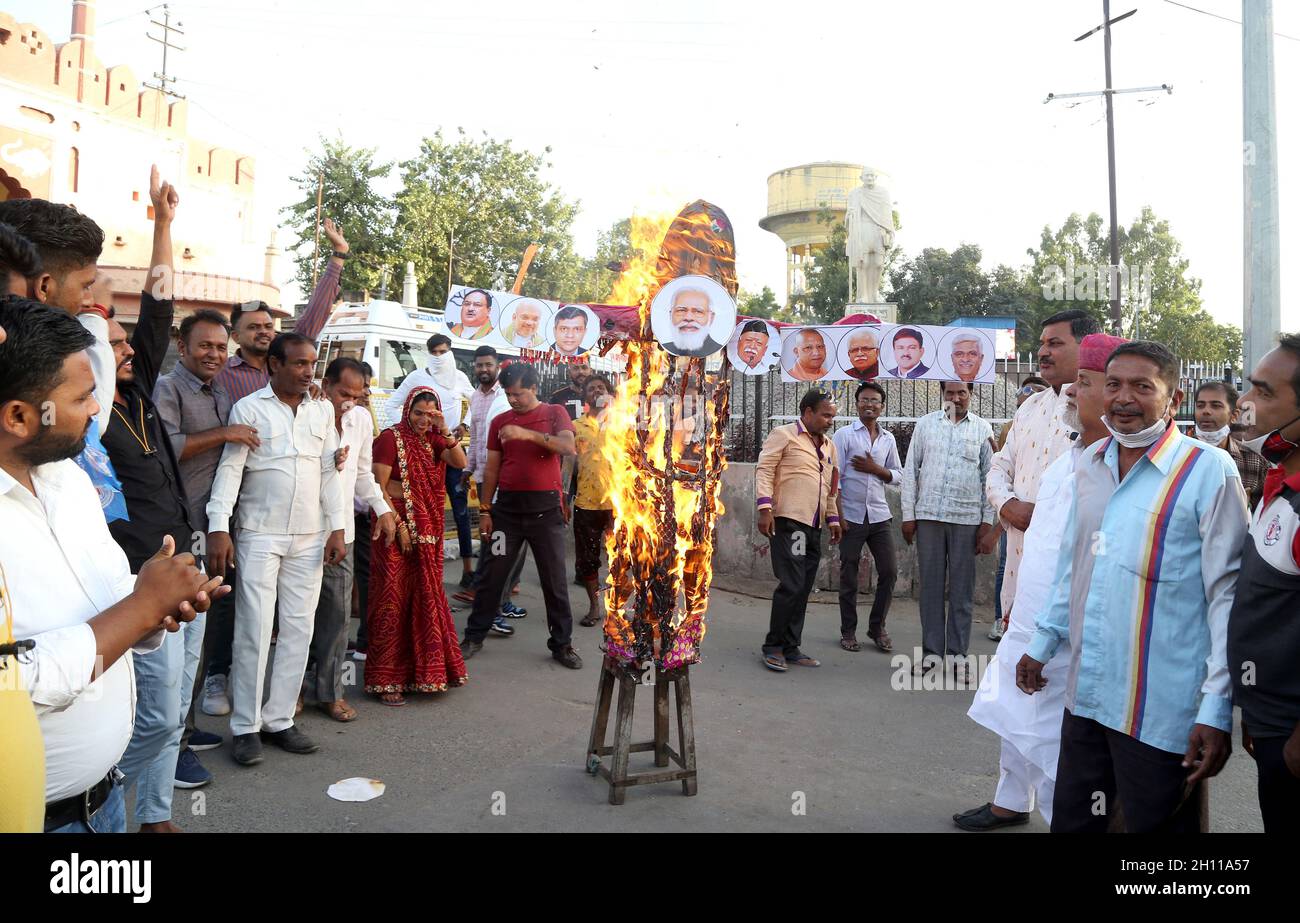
(1225, 18)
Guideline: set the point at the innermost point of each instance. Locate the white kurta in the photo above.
(1031, 724)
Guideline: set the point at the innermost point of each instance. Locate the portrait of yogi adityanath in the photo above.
(809, 356)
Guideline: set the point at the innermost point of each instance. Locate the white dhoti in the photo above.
(1030, 725)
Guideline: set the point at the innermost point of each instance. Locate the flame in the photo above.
(665, 505)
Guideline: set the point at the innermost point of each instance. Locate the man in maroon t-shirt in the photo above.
(520, 502)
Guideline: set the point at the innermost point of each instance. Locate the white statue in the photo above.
(870, 225)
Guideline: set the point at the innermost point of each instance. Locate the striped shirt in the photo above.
(947, 463)
(240, 379)
(1144, 585)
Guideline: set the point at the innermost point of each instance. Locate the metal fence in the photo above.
(761, 402)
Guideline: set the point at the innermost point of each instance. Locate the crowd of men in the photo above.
(1151, 578)
(195, 539)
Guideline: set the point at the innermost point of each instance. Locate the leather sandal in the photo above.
(850, 643)
(339, 710)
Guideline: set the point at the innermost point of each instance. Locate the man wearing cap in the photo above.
(1030, 726)
(1037, 438)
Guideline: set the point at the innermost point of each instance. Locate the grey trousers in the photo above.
(879, 539)
(945, 550)
(323, 681)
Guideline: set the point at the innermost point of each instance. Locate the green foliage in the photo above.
(827, 278)
(491, 200)
(763, 304)
(937, 286)
(348, 176)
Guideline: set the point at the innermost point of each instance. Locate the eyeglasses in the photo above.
(872, 402)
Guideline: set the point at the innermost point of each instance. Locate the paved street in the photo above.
(865, 756)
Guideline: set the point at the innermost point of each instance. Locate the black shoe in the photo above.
(291, 740)
(247, 749)
(466, 580)
(984, 819)
(469, 648)
(568, 657)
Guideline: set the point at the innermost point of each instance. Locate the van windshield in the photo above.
(397, 360)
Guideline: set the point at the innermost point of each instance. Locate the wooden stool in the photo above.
(617, 774)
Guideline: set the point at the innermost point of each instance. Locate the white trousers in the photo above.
(272, 567)
(1021, 784)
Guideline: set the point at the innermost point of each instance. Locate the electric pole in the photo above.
(164, 79)
(1262, 315)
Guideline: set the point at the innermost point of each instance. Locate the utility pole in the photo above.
(1262, 316)
(315, 256)
(1116, 303)
(165, 80)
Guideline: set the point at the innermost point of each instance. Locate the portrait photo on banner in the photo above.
(692, 316)
(523, 322)
(572, 330)
(859, 353)
(469, 314)
(754, 347)
(809, 353)
(908, 352)
(966, 354)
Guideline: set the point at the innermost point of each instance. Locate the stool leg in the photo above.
(600, 719)
(622, 740)
(686, 730)
(661, 719)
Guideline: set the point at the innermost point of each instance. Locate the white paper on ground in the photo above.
(355, 789)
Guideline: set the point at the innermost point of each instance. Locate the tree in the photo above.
(937, 286)
(763, 304)
(827, 277)
(491, 200)
(348, 176)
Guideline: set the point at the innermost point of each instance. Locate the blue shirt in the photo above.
(862, 495)
(1144, 585)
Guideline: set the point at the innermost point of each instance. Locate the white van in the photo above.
(392, 338)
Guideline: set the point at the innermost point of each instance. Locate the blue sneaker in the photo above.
(190, 772)
(203, 740)
(501, 627)
(511, 611)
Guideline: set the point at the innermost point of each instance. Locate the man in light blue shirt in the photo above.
(869, 460)
(1144, 585)
(945, 511)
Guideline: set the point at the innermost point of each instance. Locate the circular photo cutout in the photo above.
(859, 352)
(573, 330)
(692, 316)
(967, 354)
(523, 322)
(469, 313)
(754, 347)
(908, 353)
(808, 354)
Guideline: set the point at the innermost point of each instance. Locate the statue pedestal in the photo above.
(887, 312)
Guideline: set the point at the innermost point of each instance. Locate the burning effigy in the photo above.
(664, 442)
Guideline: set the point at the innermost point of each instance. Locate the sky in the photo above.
(647, 107)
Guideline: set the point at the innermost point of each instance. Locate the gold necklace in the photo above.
(141, 437)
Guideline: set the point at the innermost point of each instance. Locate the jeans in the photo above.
(458, 494)
(1002, 571)
(164, 683)
(110, 818)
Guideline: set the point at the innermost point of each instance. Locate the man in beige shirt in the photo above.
(796, 482)
(1038, 437)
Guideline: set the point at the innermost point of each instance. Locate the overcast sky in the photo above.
(649, 106)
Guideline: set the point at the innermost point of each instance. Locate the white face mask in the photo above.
(444, 369)
(1212, 436)
(1138, 440)
(346, 406)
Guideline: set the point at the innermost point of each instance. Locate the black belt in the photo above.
(79, 807)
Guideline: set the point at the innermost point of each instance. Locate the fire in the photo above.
(666, 476)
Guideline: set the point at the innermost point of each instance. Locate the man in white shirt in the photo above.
(869, 460)
(69, 588)
(322, 685)
(454, 392)
(291, 523)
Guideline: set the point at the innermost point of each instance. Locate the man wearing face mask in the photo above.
(1264, 630)
(454, 391)
(1216, 416)
(1143, 587)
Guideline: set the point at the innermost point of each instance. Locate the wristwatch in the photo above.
(341, 254)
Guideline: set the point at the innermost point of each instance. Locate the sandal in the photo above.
(340, 710)
(590, 619)
(392, 698)
(774, 662)
(803, 660)
(850, 643)
(882, 641)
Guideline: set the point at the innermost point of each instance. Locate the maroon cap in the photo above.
(1095, 349)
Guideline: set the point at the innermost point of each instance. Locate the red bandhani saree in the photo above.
(412, 638)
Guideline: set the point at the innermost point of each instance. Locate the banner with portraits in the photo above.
(506, 319)
(866, 351)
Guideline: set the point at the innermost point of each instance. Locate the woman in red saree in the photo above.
(412, 638)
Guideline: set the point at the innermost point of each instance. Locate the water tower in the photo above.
(796, 199)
